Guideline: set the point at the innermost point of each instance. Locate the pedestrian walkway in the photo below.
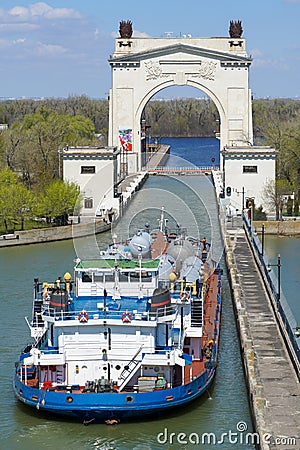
(273, 385)
(159, 157)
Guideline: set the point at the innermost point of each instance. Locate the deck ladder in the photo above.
(197, 312)
(93, 289)
(131, 368)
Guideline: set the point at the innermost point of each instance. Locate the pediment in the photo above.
(174, 49)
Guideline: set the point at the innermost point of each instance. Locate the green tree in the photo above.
(60, 199)
(33, 143)
(259, 214)
(16, 201)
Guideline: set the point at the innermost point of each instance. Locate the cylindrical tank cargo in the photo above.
(166, 266)
(180, 250)
(140, 244)
(192, 269)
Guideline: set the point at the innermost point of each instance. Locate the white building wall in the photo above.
(253, 183)
(95, 172)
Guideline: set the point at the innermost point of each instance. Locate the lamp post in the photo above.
(243, 197)
(262, 239)
(278, 265)
(59, 162)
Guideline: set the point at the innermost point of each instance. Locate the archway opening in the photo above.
(183, 117)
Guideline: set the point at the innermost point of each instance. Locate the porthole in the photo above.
(126, 367)
(129, 399)
(34, 398)
(69, 399)
(169, 398)
(118, 367)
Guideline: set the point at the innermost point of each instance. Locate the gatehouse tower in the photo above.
(219, 67)
(141, 67)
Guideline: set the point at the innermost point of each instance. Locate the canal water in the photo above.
(191, 202)
(289, 250)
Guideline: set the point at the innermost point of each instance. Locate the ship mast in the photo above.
(162, 221)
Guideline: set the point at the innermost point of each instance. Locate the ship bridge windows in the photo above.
(86, 277)
(109, 277)
(145, 276)
(98, 277)
(124, 277)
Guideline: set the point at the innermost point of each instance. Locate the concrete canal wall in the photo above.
(43, 235)
(280, 228)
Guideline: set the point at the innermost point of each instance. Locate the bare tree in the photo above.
(274, 196)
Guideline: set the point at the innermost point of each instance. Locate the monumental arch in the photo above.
(141, 67)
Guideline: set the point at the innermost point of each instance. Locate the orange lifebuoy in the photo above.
(184, 295)
(126, 316)
(83, 316)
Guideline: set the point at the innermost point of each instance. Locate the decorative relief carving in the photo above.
(154, 71)
(207, 70)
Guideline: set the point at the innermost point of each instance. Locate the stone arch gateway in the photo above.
(141, 67)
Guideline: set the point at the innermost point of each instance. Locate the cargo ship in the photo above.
(132, 333)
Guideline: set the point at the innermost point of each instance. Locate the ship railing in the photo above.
(163, 312)
(159, 313)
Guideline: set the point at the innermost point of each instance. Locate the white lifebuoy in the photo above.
(83, 316)
(126, 316)
(184, 295)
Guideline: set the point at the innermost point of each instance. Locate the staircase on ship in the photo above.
(197, 312)
(37, 320)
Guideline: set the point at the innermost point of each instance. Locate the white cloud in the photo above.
(38, 11)
(18, 11)
(63, 13)
(136, 33)
(141, 34)
(255, 53)
(19, 41)
(36, 38)
(50, 49)
(276, 64)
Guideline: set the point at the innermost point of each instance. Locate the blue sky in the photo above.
(59, 48)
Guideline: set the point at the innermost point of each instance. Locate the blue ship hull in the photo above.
(120, 406)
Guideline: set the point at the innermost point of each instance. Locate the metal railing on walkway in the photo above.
(182, 170)
(281, 308)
